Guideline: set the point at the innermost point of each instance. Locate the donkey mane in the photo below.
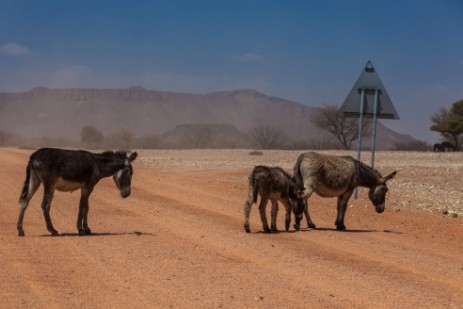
(367, 176)
(117, 157)
(114, 154)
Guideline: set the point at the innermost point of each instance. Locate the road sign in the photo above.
(371, 85)
(368, 98)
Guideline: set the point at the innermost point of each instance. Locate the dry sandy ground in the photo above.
(179, 242)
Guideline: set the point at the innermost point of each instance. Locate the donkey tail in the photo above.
(25, 190)
(297, 175)
(252, 197)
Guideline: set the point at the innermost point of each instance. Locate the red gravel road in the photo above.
(179, 242)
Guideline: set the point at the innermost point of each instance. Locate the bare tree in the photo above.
(125, 136)
(346, 130)
(268, 137)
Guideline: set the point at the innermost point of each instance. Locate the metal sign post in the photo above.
(359, 144)
(374, 103)
(373, 136)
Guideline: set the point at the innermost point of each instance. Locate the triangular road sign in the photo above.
(369, 82)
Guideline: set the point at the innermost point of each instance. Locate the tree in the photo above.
(126, 136)
(346, 130)
(268, 137)
(91, 137)
(449, 123)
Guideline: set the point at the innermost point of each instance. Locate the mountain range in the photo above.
(63, 112)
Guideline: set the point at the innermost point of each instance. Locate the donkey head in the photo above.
(123, 177)
(377, 194)
(298, 201)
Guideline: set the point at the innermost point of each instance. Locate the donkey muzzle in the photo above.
(125, 193)
(380, 208)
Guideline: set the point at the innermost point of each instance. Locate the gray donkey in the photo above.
(333, 176)
(274, 184)
(69, 170)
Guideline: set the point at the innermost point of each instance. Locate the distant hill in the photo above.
(63, 112)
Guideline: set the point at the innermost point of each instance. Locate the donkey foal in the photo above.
(274, 184)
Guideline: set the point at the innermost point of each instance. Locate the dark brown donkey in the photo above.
(69, 170)
(333, 176)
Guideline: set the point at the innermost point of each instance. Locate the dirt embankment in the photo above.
(179, 241)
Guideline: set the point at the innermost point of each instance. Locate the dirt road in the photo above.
(179, 242)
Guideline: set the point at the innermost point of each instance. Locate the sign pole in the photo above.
(367, 84)
(373, 137)
(359, 145)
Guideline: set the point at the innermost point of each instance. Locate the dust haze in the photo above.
(138, 118)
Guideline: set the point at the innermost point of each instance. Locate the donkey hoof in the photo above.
(274, 230)
(297, 227)
(341, 227)
(87, 231)
(82, 232)
(248, 230)
(267, 230)
(20, 233)
(312, 226)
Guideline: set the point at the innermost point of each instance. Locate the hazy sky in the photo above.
(311, 52)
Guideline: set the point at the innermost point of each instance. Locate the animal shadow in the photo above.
(136, 233)
(325, 229)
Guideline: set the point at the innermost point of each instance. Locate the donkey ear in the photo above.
(390, 176)
(132, 157)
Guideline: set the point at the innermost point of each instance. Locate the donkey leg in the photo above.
(34, 184)
(46, 204)
(22, 210)
(247, 210)
(307, 193)
(82, 224)
(86, 208)
(263, 215)
(297, 218)
(288, 208)
(342, 207)
(85, 221)
(274, 213)
(307, 217)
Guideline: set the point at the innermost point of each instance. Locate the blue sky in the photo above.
(311, 52)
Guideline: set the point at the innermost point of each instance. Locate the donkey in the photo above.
(444, 147)
(69, 170)
(275, 184)
(438, 147)
(333, 176)
(447, 146)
